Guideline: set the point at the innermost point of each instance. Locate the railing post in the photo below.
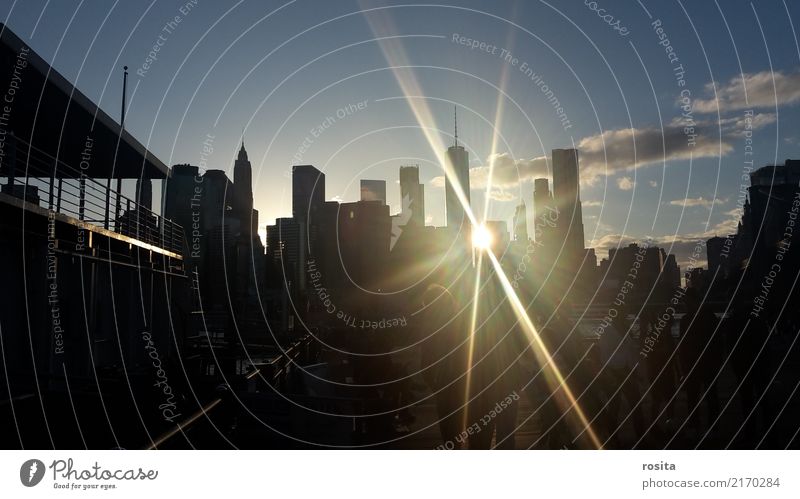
(119, 202)
(52, 185)
(106, 216)
(58, 197)
(81, 196)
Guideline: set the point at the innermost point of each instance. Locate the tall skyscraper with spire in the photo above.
(243, 192)
(457, 171)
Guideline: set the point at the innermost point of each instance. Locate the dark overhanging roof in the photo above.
(54, 118)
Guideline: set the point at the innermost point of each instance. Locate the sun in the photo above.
(481, 237)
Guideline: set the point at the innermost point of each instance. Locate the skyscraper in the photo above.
(421, 204)
(566, 193)
(308, 191)
(283, 245)
(457, 171)
(308, 199)
(243, 192)
(363, 230)
(373, 190)
(521, 223)
(542, 204)
(144, 193)
(411, 188)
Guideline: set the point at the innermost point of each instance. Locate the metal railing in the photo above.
(31, 175)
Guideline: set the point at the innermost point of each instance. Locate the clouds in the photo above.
(765, 89)
(609, 153)
(509, 172)
(625, 183)
(698, 201)
(727, 226)
(503, 195)
(618, 152)
(626, 149)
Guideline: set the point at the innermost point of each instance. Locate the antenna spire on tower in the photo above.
(455, 120)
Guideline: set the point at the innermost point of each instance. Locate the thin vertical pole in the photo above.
(58, 196)
(82, 196)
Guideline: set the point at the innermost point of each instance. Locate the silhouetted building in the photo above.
(457, 172)
(283, 269)
(373, 190)
(771, 194)
(308, 191)
(697, 278)
(308, 198)
(414, 192)
(364, 233)
(588, 274)
(766, 237)
(327, 252)
(184, 195)
(543, 209)
(217, 205)
(144, 193)
(243, 193)
(714, 253)
(521, 223)
(645, 268)
(671, 274)
(566, 193)
(283, 246)
(138, 220)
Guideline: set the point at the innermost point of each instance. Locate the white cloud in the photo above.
(591, 204)
(626, 149)
(653, 183)
(698, 201)
(502, 195)
(727, 226)
(626, 183)
(765, 89)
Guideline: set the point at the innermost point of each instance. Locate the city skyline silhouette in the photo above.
(379, 225)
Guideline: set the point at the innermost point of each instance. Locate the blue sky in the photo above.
(277, 70)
